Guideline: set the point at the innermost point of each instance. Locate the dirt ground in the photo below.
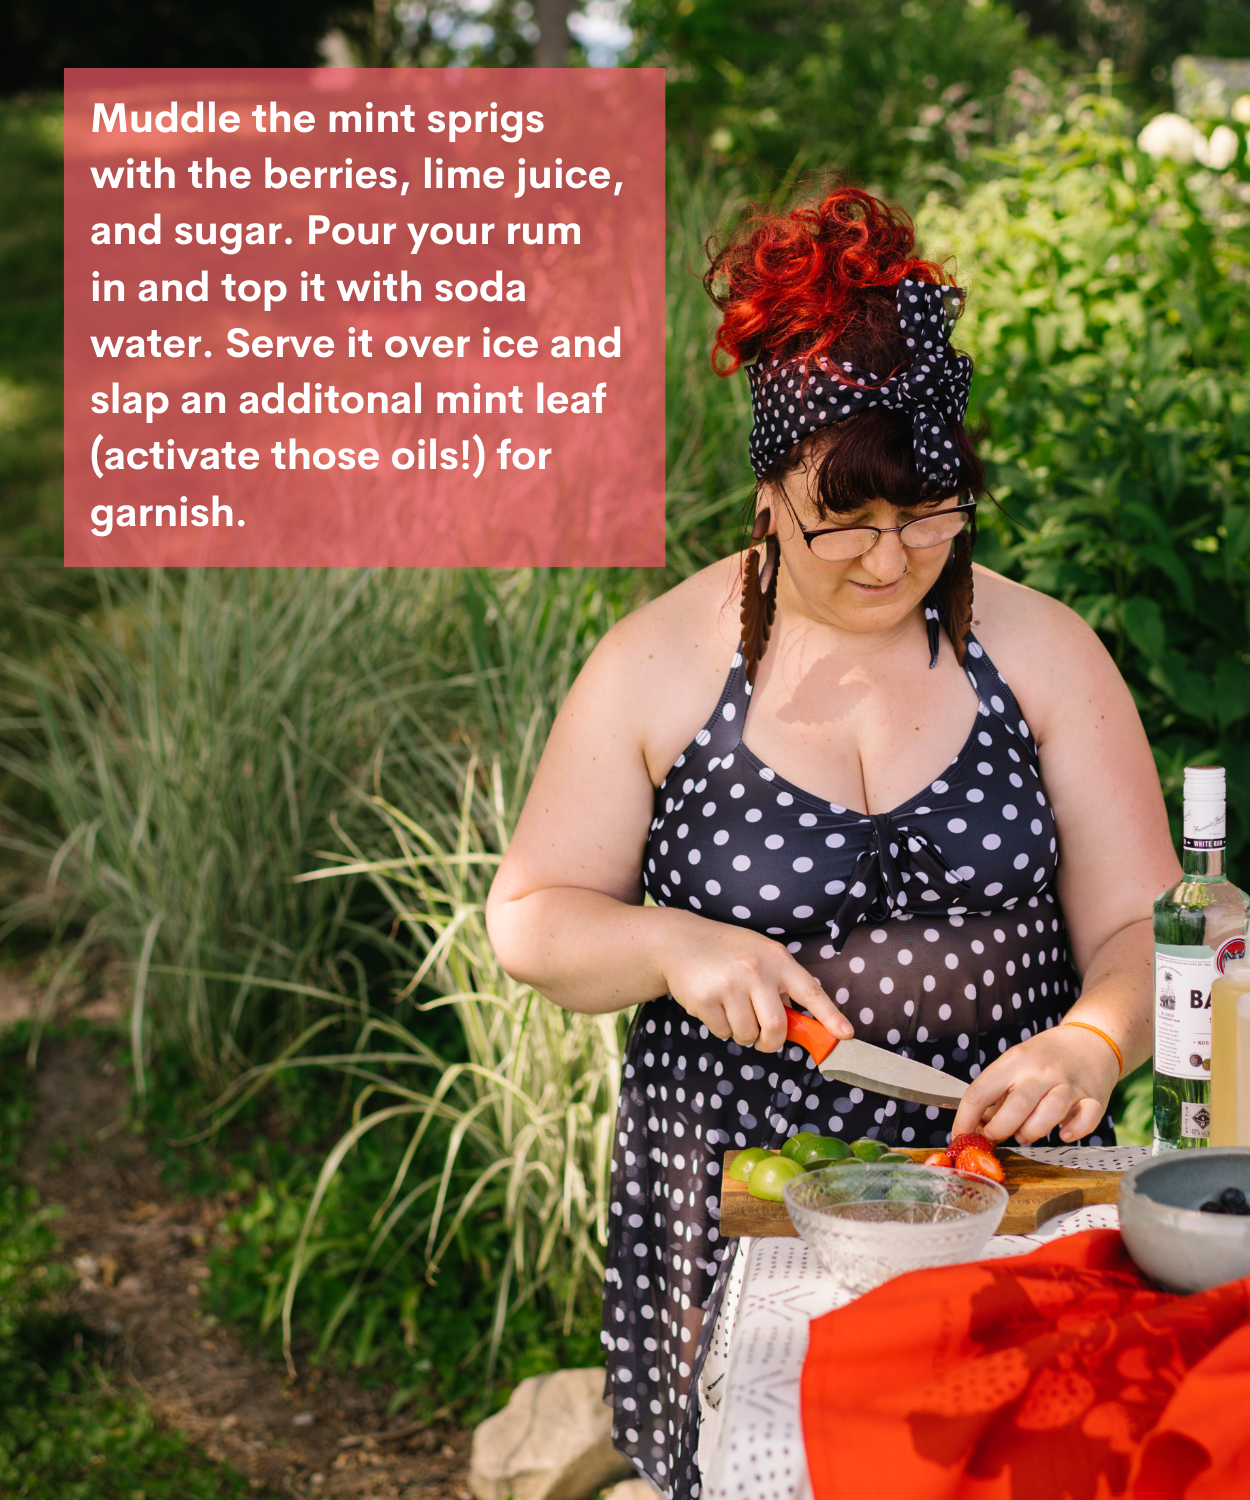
(139, 1257)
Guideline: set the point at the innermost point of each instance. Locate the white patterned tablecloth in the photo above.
(750, 1434)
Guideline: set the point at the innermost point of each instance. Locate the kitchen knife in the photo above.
(876, 1069)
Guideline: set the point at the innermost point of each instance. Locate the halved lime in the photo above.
(769, 1177)
(742, 1164)
(867, 1149)
(796, 1143)
(821, 1150)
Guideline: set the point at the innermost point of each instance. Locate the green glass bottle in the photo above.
(1199, 925)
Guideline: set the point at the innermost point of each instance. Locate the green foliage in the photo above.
(441, 34)
(482, 1169)
(426, 1337)
(1110, 326)
(895, 94)
(194, 738)
(79, 1440)
(1132, 1107)
(30, 328)
(710, 486)
(1143, 37)
(199, 737)
(64, 1431)
(38, 41)
(203, 774)
(369, 1305)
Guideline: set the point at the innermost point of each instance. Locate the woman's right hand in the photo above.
(738, 984)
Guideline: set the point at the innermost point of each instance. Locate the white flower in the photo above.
(1241, 110)
(1173, 138)
(1220, 151)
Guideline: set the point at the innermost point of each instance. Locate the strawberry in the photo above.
(969, 1138)
(939, 1159)
(983, 1163)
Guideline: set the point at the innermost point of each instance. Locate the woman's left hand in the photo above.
(1062, 1077)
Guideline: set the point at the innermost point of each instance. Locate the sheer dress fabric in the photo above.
(935, 926)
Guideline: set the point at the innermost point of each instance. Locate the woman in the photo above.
(855, 801)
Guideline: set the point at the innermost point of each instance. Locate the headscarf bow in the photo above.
(791, 399)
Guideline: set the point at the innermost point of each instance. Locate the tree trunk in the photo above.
(552, 48)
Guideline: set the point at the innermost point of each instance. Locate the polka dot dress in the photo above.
(935, 926)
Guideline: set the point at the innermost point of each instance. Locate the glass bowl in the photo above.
(868, 1223)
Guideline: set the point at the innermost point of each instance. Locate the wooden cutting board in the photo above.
(1039, 1191)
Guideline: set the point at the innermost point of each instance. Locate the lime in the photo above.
(740, 1167)
(769, 1177)
(899, 1157)
(795, 1144)
(821, 1150)
(867, 1149)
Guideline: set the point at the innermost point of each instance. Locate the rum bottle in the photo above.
(1199, 926)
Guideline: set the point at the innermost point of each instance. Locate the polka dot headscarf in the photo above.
(792, 398)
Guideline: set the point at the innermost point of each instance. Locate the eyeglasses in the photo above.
(843, 543)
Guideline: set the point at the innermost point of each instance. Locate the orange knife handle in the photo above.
(810, 1034)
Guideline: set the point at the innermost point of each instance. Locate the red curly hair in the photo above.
(801, 284)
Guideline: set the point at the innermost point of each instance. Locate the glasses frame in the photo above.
(967, 508)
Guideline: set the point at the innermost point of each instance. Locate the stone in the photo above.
(553, 1441)
(632, 1489)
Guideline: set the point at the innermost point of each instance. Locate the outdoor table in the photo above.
(750, 1430)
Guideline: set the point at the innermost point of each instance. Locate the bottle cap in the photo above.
(1238, 971)
(1204, 807)
(1205, 783)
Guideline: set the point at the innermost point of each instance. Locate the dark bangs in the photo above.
(869, 457)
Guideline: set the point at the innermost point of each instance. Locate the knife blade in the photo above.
(876, 1069)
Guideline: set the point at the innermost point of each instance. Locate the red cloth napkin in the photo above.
(1059, 1375)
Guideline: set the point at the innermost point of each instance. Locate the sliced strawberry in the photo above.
(969, 1138)
(939, 1159)
(983, 1163)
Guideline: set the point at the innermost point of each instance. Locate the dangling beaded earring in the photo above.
(759, 594)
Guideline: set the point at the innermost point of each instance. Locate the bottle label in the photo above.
(1196, 1121)
(1183, 978)
(1203, 826)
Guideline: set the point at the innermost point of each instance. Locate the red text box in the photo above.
(374, 317)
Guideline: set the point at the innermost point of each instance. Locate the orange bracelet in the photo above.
(1085, 1026)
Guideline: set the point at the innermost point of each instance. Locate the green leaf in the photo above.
(1187, 688)
(1168, 562)
(1232, 690)
(1143, 623)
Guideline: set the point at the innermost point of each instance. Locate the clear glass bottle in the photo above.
(1199, 926)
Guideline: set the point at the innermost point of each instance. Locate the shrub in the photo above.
(1109, 321)
(192, 740)
(896, 93)
(487, 1160)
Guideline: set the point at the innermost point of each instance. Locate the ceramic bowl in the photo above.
(1169, 1239)
(867, 1223)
